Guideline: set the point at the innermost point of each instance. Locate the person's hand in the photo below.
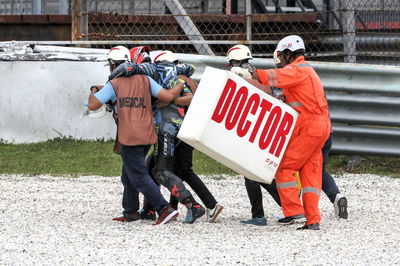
(281, 97)
(244, 73)
(248, 66)
(94, 89)
(186, 69)
(277, 93)
(185, 84)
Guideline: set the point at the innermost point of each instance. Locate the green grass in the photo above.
(61, 157)
(383, 166)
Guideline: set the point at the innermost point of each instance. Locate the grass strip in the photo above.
(65, 156)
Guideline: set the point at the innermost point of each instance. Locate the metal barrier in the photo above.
(364, 102)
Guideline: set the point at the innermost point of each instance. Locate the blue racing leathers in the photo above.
(164, 73)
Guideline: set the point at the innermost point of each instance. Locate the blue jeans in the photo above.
(328, 184)
(135, 178)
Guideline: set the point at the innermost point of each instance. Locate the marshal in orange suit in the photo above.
(303, 90)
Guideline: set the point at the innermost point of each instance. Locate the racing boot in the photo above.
(195, 210)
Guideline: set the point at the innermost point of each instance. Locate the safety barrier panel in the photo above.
(364, 102)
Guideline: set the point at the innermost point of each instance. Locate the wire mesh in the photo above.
(361, 31)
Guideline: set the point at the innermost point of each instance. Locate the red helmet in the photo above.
(140, 54)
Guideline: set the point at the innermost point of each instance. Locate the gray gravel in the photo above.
(51, 220)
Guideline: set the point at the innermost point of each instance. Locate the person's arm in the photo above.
(93, 102)
(164, 95)
(99, 96)
(258, 85)
(255, 75)
(284, 78)
(189, 88)
(184, 100)
(169, 95)
(185, 69)
(129, 69)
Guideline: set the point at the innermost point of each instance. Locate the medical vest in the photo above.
(135, 116)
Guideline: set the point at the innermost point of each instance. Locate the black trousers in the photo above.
(168, 121)
(253, 189)
(328, 183)
(184, 169)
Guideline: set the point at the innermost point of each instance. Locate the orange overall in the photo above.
(303, 91)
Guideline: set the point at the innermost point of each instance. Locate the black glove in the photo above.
(185, 69)
(121, 70)
(276, 92)
(249, 66)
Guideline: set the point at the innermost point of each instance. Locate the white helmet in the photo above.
(277, 61)
(291, 42)
(166, 56)
(119, 53)
(239, 52)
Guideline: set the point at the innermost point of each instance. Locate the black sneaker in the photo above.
(194, 212)
(340, 206)
(292, 219)
(167, 215)
(134, 218)
(310, 227)
(147, 215)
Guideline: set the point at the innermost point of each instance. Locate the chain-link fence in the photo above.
(362, 31)
(34, 7)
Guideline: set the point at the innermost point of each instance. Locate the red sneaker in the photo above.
(167, 215)
(135, 218)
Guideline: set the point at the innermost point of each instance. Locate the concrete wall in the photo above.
(44, 100)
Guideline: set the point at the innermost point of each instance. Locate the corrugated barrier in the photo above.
(363, 99)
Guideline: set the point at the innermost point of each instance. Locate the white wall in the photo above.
(42, 100)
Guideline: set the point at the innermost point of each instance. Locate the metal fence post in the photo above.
(188, 26)
(37, 7)
(332, 7)
(228, 7)
(249, 32)
(349, 31)
(85, 20)
(248, 20)
(75, 19)
(20, 9)
(63, 7)
(349, 50)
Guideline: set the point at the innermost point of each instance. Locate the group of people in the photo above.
(150, 101)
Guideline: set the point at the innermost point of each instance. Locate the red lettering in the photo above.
(270, 127)
(265, 106)
(251, 106)
(236, 108)
(224, 101)
(280, 137)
